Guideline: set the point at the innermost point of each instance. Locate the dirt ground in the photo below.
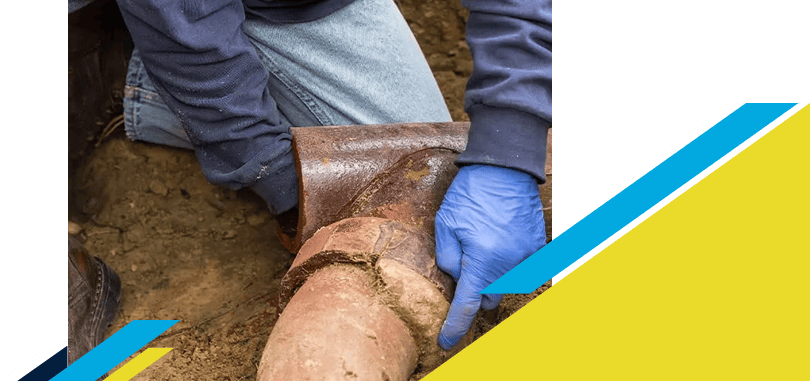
(209, 256)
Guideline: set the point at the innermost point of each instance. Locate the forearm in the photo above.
(508, 94)
(208, 73)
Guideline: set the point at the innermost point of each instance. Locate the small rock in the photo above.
(216, 203)
(228, 234)
(158, 188)
(256, 219)
(134, 267)
(74, 228)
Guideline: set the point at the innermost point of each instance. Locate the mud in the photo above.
(209, 256)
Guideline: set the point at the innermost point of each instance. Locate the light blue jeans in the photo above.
(359, 65)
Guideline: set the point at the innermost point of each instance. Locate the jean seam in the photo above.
(129, 116)
(132, 95)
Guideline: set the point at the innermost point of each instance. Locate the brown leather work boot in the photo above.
(94, 299)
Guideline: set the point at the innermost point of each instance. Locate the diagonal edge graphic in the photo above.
(115, 349)
(49, 368)
(679, 133)
(637, 198)
(40, 362)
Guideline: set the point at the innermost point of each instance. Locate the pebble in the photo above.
(74, 228)
(158, 188)
(256, 219)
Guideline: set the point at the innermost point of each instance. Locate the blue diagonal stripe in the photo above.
(637, 198)
(115, 349)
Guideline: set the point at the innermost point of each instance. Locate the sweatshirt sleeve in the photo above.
(210, 76)
(508, 95)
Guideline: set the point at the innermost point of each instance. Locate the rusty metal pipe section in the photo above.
(364, 298)
(397, 171)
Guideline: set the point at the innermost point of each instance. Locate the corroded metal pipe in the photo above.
(397, 171)
(364, 298)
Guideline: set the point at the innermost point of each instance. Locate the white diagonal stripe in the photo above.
(679, 133)
(37, 360)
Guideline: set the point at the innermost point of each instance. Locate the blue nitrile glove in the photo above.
(491, 219)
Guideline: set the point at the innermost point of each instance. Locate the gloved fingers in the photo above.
(463, 309)
(490, 301)
(448, 249)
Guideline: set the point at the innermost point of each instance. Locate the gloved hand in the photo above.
(491, 219)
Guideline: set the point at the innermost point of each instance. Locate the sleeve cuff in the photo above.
(507, 138)
(279, 191)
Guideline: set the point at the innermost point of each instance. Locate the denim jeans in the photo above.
(359, 65)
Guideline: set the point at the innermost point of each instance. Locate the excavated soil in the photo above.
(209, 256)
